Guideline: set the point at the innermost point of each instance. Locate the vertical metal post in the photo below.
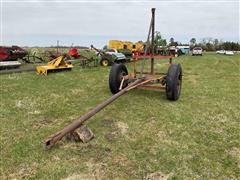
(57, 45)
(147, 46)
(135, 67)
(152, 44)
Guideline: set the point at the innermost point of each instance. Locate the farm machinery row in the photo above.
(13, 57)
(14, 53)
(65, 61)
(121, 81)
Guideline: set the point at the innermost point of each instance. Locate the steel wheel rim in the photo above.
(105, 63)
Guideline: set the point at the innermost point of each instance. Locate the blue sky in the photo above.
(42, 22)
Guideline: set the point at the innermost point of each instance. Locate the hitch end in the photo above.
(49, 142)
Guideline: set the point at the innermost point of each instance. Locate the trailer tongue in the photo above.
(49, 142)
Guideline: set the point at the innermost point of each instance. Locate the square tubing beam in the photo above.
(152, 45)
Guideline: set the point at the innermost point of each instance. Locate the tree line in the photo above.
(208, 44)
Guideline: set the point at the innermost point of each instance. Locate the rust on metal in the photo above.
(156, 73)
(145, 80)
(152, 46)
(154, 88)
(53, 139)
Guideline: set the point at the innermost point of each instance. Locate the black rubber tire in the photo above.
(174, 82)
(115, 77)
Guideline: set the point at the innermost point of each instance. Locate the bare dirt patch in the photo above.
(25, 172)
(80, 177)
(122, 127)
(158, 176)
(42, 123)
(118, 129)
(235, 153)
(107, 122)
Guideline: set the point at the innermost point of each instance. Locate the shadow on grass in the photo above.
(151, 95)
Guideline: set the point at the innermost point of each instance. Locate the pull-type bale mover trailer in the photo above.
(120, 82)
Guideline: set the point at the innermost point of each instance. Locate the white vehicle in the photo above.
(225, 52)
(197, 51)
(220, 52)
(229, 53)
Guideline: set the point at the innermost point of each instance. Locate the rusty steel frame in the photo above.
(148, 75)
(148, 84)
(144, 81)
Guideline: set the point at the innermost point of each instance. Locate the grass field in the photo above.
(197, 137)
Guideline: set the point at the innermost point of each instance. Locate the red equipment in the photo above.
(73, 52)
(11, 53)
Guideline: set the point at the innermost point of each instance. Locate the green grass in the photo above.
(139, 134)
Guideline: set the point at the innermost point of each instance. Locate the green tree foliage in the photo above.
(193, 41)
(173, 42)
(158, 40)
(210, 44)
(231, 46)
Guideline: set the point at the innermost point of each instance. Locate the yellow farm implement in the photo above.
(116, 44)
(57, 64)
